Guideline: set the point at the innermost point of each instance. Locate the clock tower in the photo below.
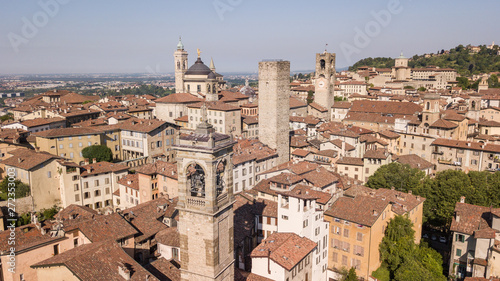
(205, 204)
(325, 81)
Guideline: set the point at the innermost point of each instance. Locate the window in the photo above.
(359, 251)
(175, 253)
(459, 252)
(70, 145)
(107, 190)
(86, 184)
(86, 195)
(96, 182)
(77, 197)
(49, 174)
(76, 187)
(106, 181)
(359, 236)
(244, 172)
(75, 242)
(305, 223)
(346, 232)
(335, 256)
(284, 217)
(97, 193)
(344, 260)
(460, 238)
(56, 249)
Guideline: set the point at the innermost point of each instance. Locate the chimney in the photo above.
(86, 161)
(94, 160)
(410, 192)
(457, 217)
(123, 271)
(462, 199)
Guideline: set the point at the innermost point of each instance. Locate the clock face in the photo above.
(321, 83)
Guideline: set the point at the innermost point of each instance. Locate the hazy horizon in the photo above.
(89, 37)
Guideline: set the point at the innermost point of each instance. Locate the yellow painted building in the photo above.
(355, 236)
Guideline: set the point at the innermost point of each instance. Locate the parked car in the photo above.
(442, 239)
(426, 236)
(434, 237)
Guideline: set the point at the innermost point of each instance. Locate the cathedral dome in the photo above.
(198, 68)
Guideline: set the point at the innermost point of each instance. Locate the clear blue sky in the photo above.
(123, 36)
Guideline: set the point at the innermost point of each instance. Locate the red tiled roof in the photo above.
(102, 167)
(131, 180)
(441, 123)
(27, 159)
(97, 261)
(179, 98)
(286, 249)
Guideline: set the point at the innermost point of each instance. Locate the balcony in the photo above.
(437, 152)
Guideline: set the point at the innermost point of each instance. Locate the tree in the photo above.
(463, 82)
(8, 116)
(310, 96)
(404, 259)
(351, 275)
(401, 177)
(493, 81)
(421, 89)
(21, 189)
(99, 152)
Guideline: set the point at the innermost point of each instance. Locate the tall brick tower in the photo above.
(325, 81)
(274, 106)
(205, 204)
(181, 66)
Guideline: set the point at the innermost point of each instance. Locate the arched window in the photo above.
(178, 65)
(196, 180)
(220, 182)
(428, 106)
(322, 64)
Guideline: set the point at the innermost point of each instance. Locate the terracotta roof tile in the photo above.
(131, 181)
(27, 159)
(98, 261)
(286, 249)
(164, 270)
(102, 167)
(179, 98)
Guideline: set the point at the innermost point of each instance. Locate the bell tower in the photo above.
(205, 204)
(181, 66)
(325, 80)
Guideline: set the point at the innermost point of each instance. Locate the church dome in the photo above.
(198, 68)
(211, 76)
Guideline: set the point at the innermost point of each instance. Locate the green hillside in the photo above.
(459, 58)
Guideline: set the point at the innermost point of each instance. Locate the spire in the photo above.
(212, 65)
(401, 56)
(180, 46)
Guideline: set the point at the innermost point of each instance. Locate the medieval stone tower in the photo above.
(325, 80)
(181, 66)
(274, 108)
(205, 204)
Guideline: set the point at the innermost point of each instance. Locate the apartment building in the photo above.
(147, 140)
(225, 118)
(475, 246)
(68, 142)
(296, 206)
(98, 182)
(249, 158)
(273, 260)
(355, 235)
(39, 170)
(174, 106)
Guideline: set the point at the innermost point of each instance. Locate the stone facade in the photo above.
(274, 87)
(325, 80)
(205, 205)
